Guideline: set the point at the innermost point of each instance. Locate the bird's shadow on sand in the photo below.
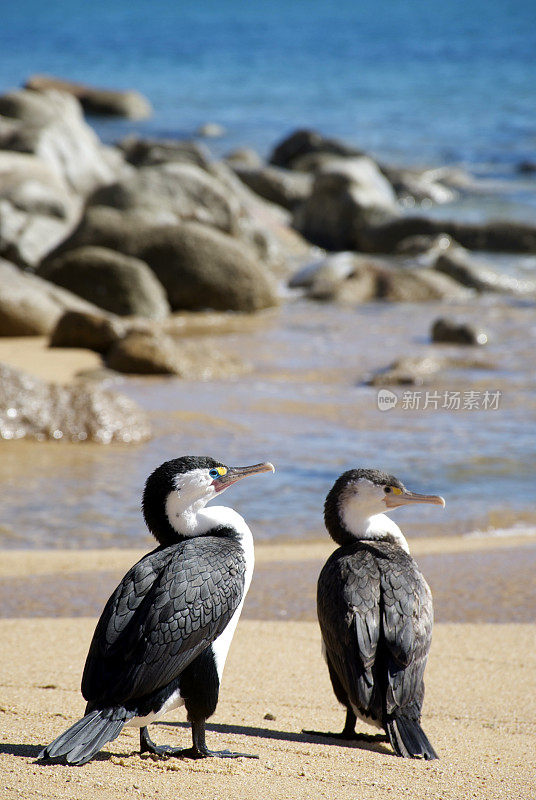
(285, 736)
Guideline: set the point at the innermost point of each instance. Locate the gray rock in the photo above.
(303, 142)
(450, 331)
(349, 195)
(201, 267)
(25, 238)
(414, 186)
(382, 236)
(460, 265)
(51, 126)
(181, 189)
(160, 354)
(110, 280)
(417, 286)
(407, 371)
(96, 332)
(211, 130)
(244, 157)
(419, 245)
(32, 408)
(331, 269)
(102, 102)
(287, 188)
(151, 152)
(30, 185)
(31, 306)
(360, 287)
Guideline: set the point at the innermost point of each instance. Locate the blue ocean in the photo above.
(411, 81)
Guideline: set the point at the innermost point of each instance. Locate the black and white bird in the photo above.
(164, 634)
(375, 612)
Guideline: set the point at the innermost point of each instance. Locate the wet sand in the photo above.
(479, 713)
(487, 579)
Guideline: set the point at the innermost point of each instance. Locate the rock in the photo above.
(244, 157)
(360, 287)
(347, 197)
(414, 186)
(419, 245)
(417, 286)
(304, 142)
(113, 281)
(32, 408)
(160, 354)
(201, 267)
(460, 265)
(330, 269)
(287, 188)
(211, 130)
(51, 126)
(30, 185)
(408, 371)
(527, 167)
(151, 152)
(183, 190)
(31, 306)
(96, 332)
(382, 236)
(25, 238)
(420, 370)
(103, 102)
(449, 331)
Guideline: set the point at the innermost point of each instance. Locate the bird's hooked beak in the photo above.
(401, 497)
(235, 474)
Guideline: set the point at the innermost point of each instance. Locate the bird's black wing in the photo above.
(167, 609)
(407, 631)
(349, 617)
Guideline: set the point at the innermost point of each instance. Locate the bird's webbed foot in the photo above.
(203, 752)
(148, 746)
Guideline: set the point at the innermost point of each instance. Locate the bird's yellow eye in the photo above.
(396, 490)
(222, 470)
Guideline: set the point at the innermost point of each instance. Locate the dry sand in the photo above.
(480, 713)
(58, 364)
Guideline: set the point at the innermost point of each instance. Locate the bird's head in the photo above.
(179, 488)
(359, 495)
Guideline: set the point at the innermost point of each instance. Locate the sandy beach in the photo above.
(479, 709)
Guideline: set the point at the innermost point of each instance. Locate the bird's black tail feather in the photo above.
(408, 739)
(81, 741)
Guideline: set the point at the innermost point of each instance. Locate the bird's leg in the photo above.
(199, 748)
(148, 746)
(348, 733)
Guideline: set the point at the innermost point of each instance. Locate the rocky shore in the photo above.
(108, 247)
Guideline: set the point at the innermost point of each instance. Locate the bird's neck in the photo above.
(373, 527)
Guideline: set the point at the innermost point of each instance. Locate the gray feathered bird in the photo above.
(375, 612)
(164, 634)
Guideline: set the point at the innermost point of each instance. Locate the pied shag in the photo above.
(163, 637)
(375, 612)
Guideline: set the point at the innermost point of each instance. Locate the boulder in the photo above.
(304, 142)
(102, 102)
(382, 236)
(286, 188)
(151, 152)
(201, 267)
(418, 285)
(86, 329)
(110, 280)
(244, 157)
(181, 189)
(160, 354)
(460, 265)
(414, 186)
(348, 196)
(422, 245)
(30, 185)
(31, 306)
(51, 125)
(32, 408)
(360, 287)
(25, 238)
(451, 331)
(331, 269)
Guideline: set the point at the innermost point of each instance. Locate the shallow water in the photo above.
(303, 406)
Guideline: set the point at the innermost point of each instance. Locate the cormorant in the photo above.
(375, 612)
(164, 634)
